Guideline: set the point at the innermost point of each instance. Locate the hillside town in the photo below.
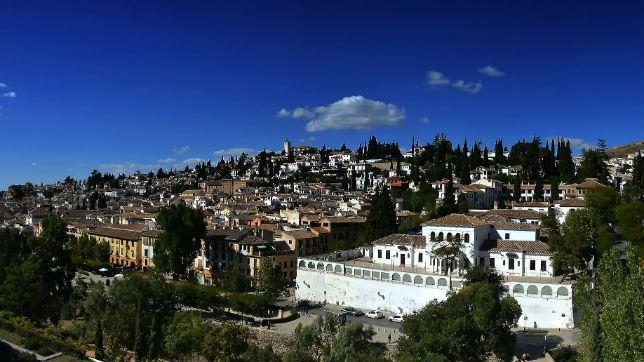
(380, 229)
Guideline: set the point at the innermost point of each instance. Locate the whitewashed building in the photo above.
(401, 273)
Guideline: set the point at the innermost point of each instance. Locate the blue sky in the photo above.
(124, 85)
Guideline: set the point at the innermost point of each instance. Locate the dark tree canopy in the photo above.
(177, 245)
(468, 326)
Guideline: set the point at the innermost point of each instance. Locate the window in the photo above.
(543, 265)
(532, 266)
(507, 236)
(387, 255)
(492, 263)
(420, 257)
(466, 238)
(379, 254)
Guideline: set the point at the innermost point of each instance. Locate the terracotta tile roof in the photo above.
(152, 233)
(512, 214)
(299, 234)
(250, 239)
(519, 226)
(517, 246)
(338, 220)
(227, 234)
(570, 203)
(402, 239)
(116, 233)
(590, 183)
(456, 220)
(320, 230)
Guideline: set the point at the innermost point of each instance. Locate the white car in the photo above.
(398, 318)
(375, 314)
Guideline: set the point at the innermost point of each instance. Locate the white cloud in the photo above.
(469, 87)
(575, 143)
(189, 162)
(302, 112)
(491, 71)
(3, 85)
(307, 139)
(127, 167)
(34, 163)
(167, 160)
(283, 113)
(183, 149)
(424, 120)
(355, 112)
(9, 94)
(234, 152)
(435, 77)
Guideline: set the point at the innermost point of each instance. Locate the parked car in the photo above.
(351, 311)
(375, 314)
(398, 318)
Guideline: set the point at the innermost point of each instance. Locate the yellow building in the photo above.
(125, 245)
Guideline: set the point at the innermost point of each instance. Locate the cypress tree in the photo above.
(538, 190)
(381, 220)
(554, 189)
(462, 205)
(98, 338)
(516, 190)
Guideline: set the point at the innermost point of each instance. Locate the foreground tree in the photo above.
(177, 245)
(468, 326)
(576, 248)
(183, 333)
(144, 300)
(612, 310)
(39, 286)
(226, 342)
(326, 340)
(631, 224)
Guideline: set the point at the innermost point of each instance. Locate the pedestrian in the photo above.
(389, 338)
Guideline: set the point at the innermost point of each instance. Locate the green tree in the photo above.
(225, 342)
(157, 300)
(538, 190)
(630, 217)
(183, 335)
(577, 247)
(516, 189)
(469, 326)
(316, 340)
(611, 306)
(462, 205)
(39, 284)
(352, 343)
(602, 200)
(15, 247)
(381, 220)
(270, 279)
(177, 245)
(234, 279)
